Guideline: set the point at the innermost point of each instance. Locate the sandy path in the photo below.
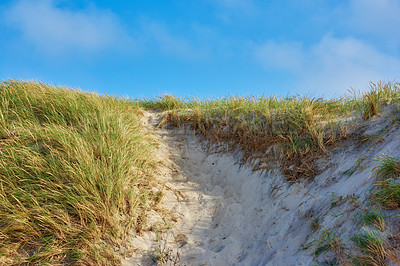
(228, 215)
(223, 210)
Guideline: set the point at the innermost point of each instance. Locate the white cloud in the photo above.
(172, 44)
(331, 66)
(286, 56)
(380, 18)
(56, 30)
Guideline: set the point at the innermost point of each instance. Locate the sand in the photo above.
(223, 213)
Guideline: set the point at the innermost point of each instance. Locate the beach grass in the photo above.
(388, 194)
(77, 169)
(388, 188)
(373, 249)
(295, 130)
(389, 167)
(375, 217)
(76, 172)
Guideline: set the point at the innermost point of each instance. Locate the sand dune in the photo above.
(227, 214)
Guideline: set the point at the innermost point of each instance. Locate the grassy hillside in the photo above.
(75, 174)
(293, 130)
(76, 168)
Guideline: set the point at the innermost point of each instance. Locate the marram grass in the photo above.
(75, 174)
(388, 192)
(389, 167)
(293, 130)
(76, 168)
(373, 249)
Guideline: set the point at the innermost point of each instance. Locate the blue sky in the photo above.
(204, 48)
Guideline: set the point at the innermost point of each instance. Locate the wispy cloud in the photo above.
(379, 18)
(226, 9)
(171, 44)
(285, 56)
(55, 30)
(330, 66)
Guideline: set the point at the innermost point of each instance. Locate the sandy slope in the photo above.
(227, 214)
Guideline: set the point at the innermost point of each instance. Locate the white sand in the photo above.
(228, 215)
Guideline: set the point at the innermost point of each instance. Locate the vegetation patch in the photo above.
(389, 167)
(75, 174)
(373, 249)
(375, 217)
(388, 194)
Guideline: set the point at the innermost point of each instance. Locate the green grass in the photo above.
(327, 240)
(375, 217)
(388, 194)
(75, 174)
(389, 167)
(295, 127)
(379, 94)
(372, 248)
(76, 168)
(294, 130)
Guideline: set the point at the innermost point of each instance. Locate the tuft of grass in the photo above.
(372, 248)
(389, 167)
(379, 94)
(388, 194)
(165, 256)
(373, 217)
(327, 240)
(75, 174)
(164, 102)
